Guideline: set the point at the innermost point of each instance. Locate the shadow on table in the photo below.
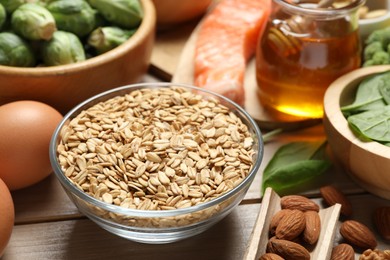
(43, 201)
(222, 241)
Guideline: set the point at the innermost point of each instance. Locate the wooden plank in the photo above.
(259, 236)
(83, 239)
(42, 202)
(363, 207)
(335, 175)
(168, 48)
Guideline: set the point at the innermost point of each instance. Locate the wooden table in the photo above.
(49, 226)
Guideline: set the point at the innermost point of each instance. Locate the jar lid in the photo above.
(322, 8)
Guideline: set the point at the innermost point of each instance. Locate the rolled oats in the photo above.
(156, 149)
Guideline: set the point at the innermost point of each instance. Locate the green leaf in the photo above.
(294, 164)
(294, 174)
(384, 89)
(373, 124)
(368, 95)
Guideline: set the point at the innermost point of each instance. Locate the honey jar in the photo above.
(305, 46)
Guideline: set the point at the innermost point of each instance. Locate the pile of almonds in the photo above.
(357, 234)
(293, 229)
(296, 228)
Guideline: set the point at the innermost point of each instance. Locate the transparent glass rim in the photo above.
(150, 213)
(321, 12)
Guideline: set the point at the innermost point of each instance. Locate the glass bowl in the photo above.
(198, 207)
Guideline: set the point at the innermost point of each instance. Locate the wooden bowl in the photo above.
(368, 163)
(65, 86)
(170, 12)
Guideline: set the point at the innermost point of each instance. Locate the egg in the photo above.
(7, 216)
(25, 133)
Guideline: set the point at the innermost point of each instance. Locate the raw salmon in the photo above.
(226, 40)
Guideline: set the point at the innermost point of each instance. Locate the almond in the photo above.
(270, 256)
(381, 218)
(343, 252)
(358, 234)
(332, 195)
(276, 219)
(312, 227)
(291, 225)
(287, 249)
(269, 248)
(298, 202)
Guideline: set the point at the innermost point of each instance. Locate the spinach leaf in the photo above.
(368, 95)
(373, 124)
(384, 89)
(294, 174)
(295, 164)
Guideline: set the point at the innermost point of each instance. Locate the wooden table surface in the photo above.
(49, 226)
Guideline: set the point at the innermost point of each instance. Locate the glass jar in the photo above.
(305, 46)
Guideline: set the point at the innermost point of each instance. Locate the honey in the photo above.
(294, 69)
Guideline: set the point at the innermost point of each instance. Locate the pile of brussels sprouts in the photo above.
(57, 32)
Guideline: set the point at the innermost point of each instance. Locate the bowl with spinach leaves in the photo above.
(357, 125)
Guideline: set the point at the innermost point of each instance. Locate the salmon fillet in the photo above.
(226, 40)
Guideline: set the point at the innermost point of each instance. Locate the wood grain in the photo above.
(259, 236)
(42, 202)
(334, 175)
(168, 48)
(82, 239)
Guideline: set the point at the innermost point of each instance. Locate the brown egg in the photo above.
(26, 130)
(7, 216)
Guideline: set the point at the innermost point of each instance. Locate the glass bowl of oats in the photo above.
(156, 162)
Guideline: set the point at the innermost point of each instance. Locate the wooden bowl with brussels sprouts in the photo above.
(62, 52)
(356, 121)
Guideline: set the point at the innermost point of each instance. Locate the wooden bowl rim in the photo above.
(146, 28)
(332, 103)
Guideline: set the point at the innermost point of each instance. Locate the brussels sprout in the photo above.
(100, 21)
(63, 48)
(104, 39)
(74, 16)
(124, 13)
(11, 5)
(3, 15)
(33, 22)
(14, 51)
